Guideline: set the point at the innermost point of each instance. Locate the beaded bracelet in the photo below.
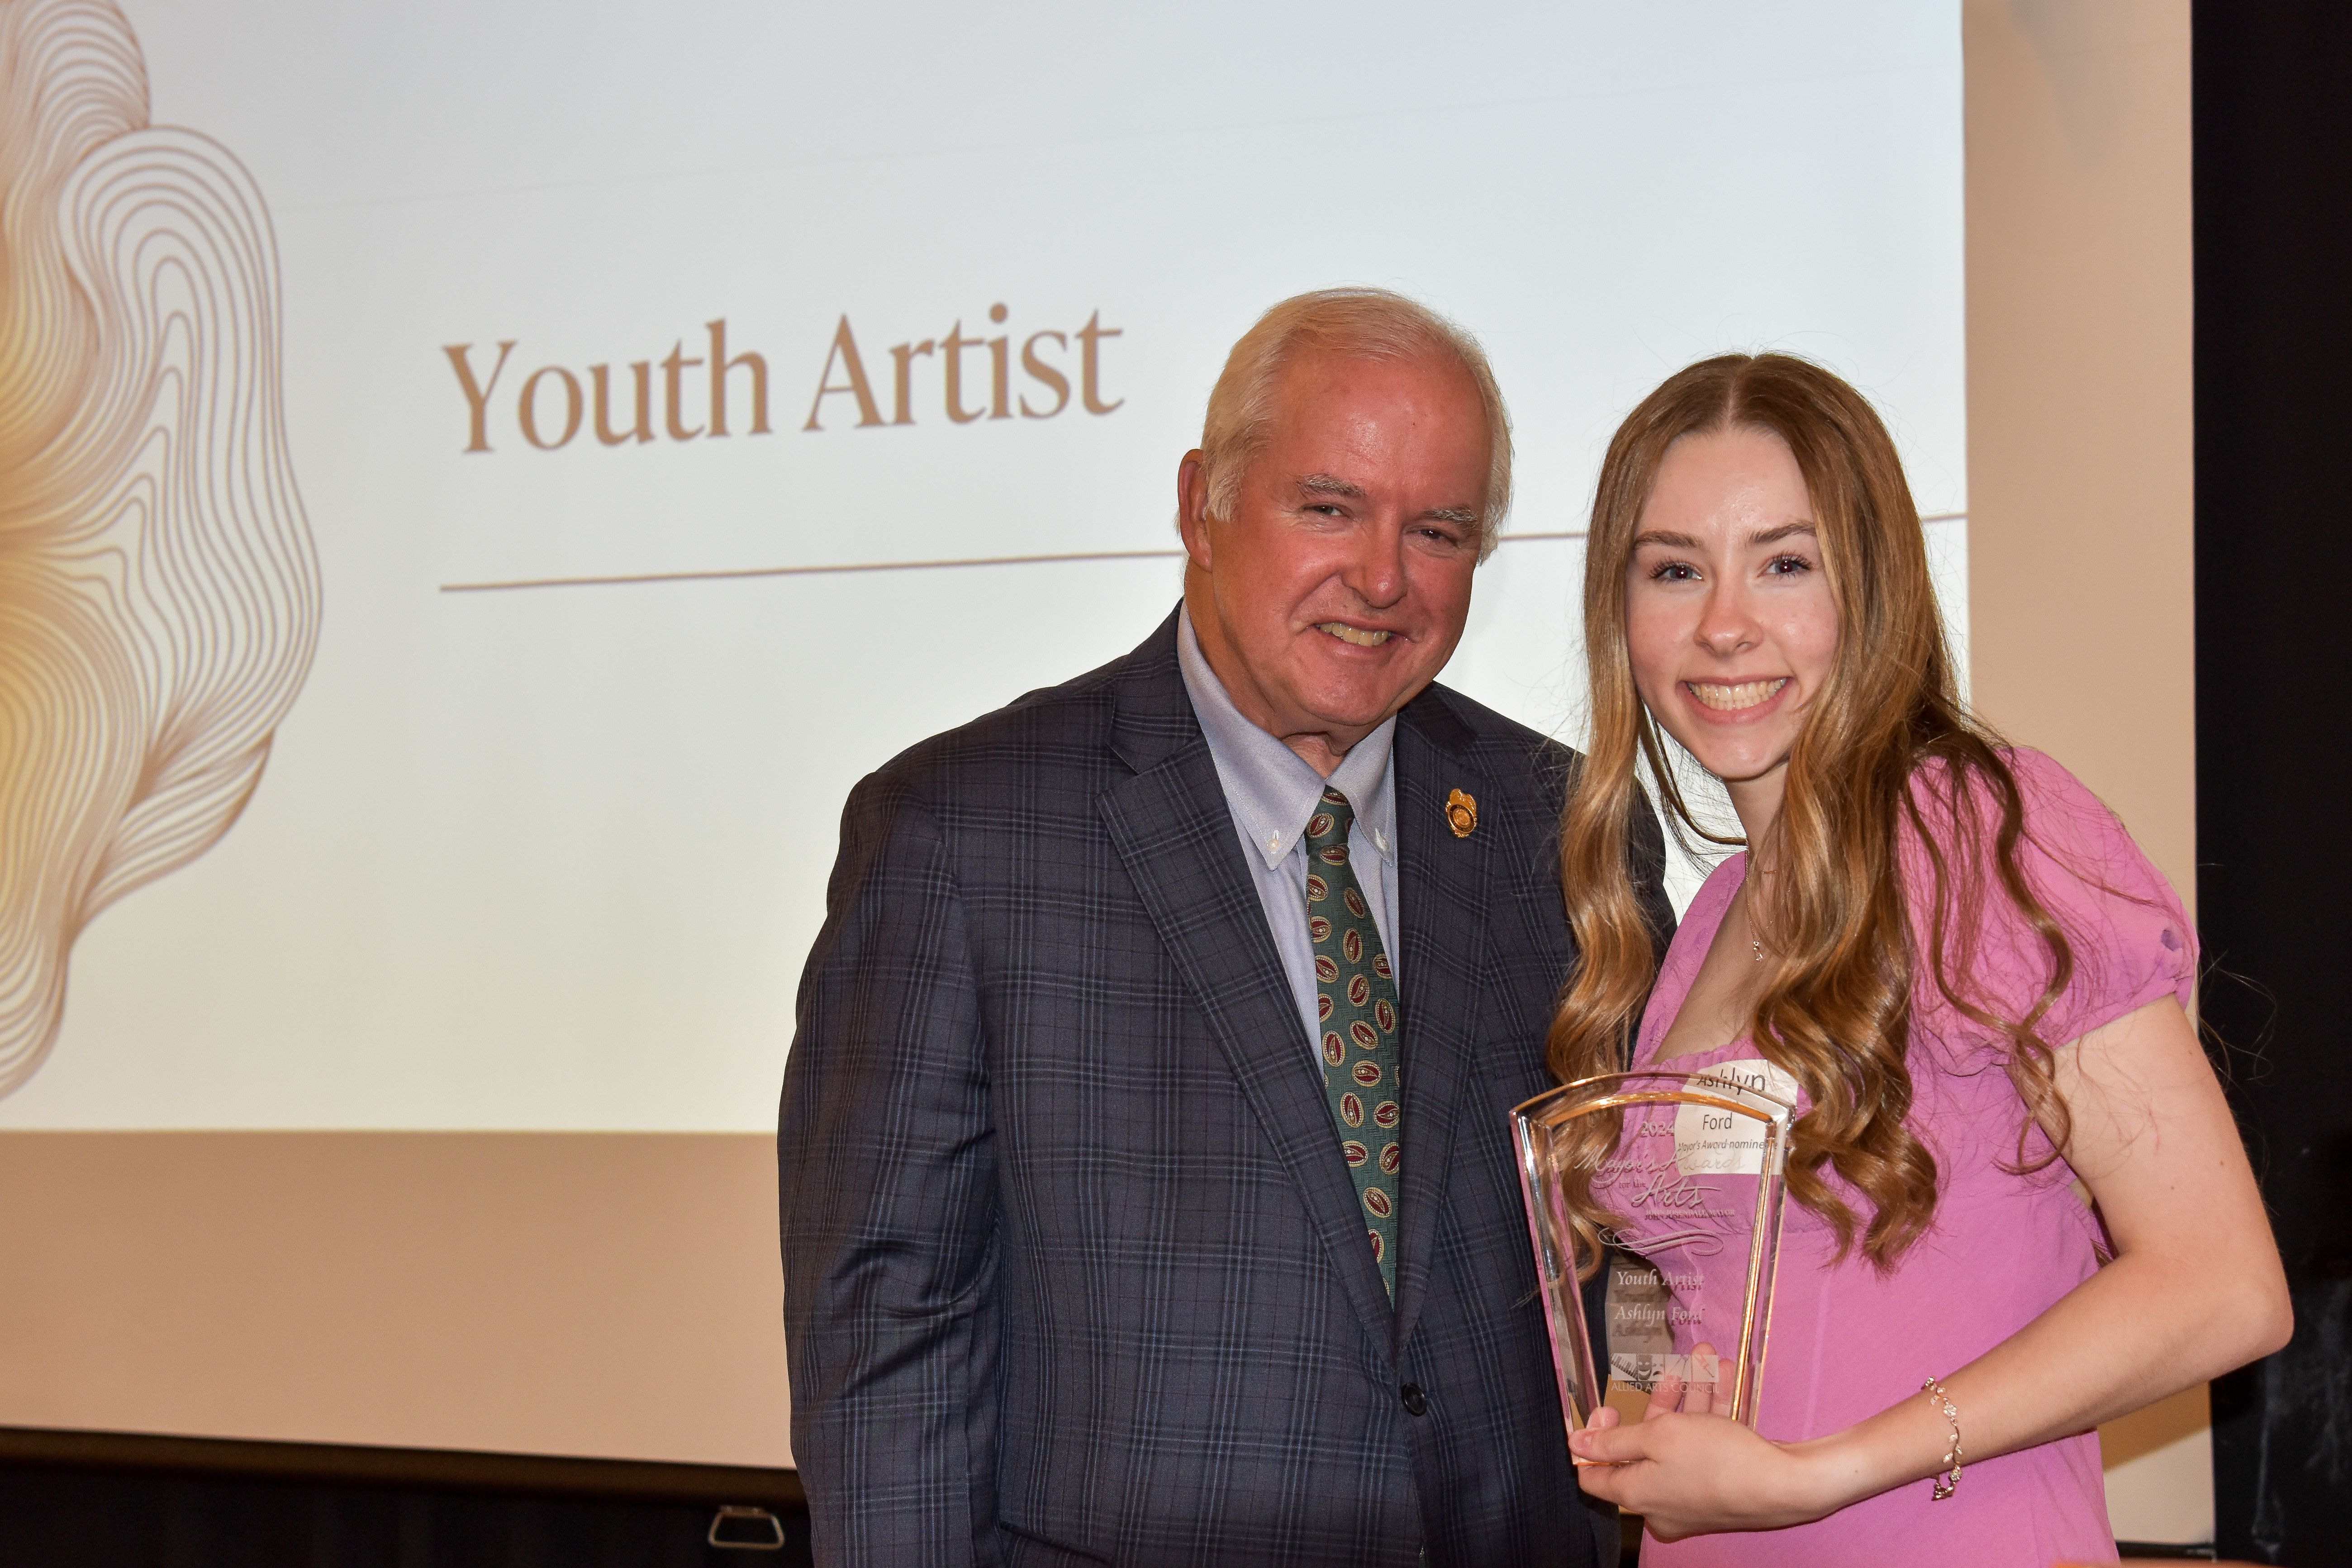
(1945, 1485)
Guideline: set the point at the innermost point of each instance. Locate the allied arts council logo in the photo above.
(712, 387)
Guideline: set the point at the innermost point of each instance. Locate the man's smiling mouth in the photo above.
(1355, 635)
(1732, 698)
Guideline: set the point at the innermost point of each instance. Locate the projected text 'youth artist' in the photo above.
(690, 397)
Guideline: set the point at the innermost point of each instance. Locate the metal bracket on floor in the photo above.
(733, 1528)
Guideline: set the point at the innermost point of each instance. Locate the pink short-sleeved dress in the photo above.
(1846, 1341)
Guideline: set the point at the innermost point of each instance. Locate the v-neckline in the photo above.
(1693, 939)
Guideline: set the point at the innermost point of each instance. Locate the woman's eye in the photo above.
(1674, 572)
(1788, 565)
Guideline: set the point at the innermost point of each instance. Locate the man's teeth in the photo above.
(1731, 698)
(1346, 633)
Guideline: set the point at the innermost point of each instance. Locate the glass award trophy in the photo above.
(1671, 1182)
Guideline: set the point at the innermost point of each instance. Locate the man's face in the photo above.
(1337, 587)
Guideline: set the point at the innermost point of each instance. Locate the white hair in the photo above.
(1365, 323)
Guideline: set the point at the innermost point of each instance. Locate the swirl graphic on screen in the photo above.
(159, 593)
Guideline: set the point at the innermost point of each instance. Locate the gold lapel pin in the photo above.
(1461, 812)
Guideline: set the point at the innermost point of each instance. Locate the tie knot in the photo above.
(1333, 817)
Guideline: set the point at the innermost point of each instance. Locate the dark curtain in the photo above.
(59, 1516)
(2273, 107)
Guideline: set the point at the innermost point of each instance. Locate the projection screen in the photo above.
(484, 481)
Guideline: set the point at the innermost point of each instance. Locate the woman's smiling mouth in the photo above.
(1724, 698)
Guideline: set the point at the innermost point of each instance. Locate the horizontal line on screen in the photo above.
(726, 574)
(732, 573)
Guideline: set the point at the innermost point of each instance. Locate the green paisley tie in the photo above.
(1356, 999)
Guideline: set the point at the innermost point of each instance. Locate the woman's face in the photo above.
(1729, 617)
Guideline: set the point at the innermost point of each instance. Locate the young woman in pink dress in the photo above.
(1975, 982)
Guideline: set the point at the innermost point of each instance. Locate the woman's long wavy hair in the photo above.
(1835, 1011)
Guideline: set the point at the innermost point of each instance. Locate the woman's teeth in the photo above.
(1346, 633)
(1732, 698)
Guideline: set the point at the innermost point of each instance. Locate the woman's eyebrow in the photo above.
(1786, 530)
(1671, 541)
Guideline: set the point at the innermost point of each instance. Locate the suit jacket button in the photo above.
(1416, 1402)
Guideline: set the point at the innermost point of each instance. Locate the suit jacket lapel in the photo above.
(1175, 835)
(1442, 888)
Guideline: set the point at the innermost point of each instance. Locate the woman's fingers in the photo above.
(1686, 1394)
(1693, 1475)
(1613, 1444)
(1698, 1397)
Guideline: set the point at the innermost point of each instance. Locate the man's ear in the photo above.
(1192, 507)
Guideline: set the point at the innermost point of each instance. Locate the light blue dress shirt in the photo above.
(1271, 791)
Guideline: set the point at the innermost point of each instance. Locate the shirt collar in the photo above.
(1270, 788)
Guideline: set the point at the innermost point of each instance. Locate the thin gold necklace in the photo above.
(1752, 941)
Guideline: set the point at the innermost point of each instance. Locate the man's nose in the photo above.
(1376, 570)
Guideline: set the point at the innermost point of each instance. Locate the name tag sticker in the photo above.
(1712, 1142)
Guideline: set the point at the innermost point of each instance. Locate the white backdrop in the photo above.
(550, 857)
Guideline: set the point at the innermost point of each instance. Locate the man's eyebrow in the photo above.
(1326, 485)
(1461, 514)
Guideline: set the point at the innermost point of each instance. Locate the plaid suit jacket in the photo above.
(1074, 1268)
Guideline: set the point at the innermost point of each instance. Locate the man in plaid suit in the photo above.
(1148, 1194)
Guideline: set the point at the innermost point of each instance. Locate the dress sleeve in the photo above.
(2131, 940)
